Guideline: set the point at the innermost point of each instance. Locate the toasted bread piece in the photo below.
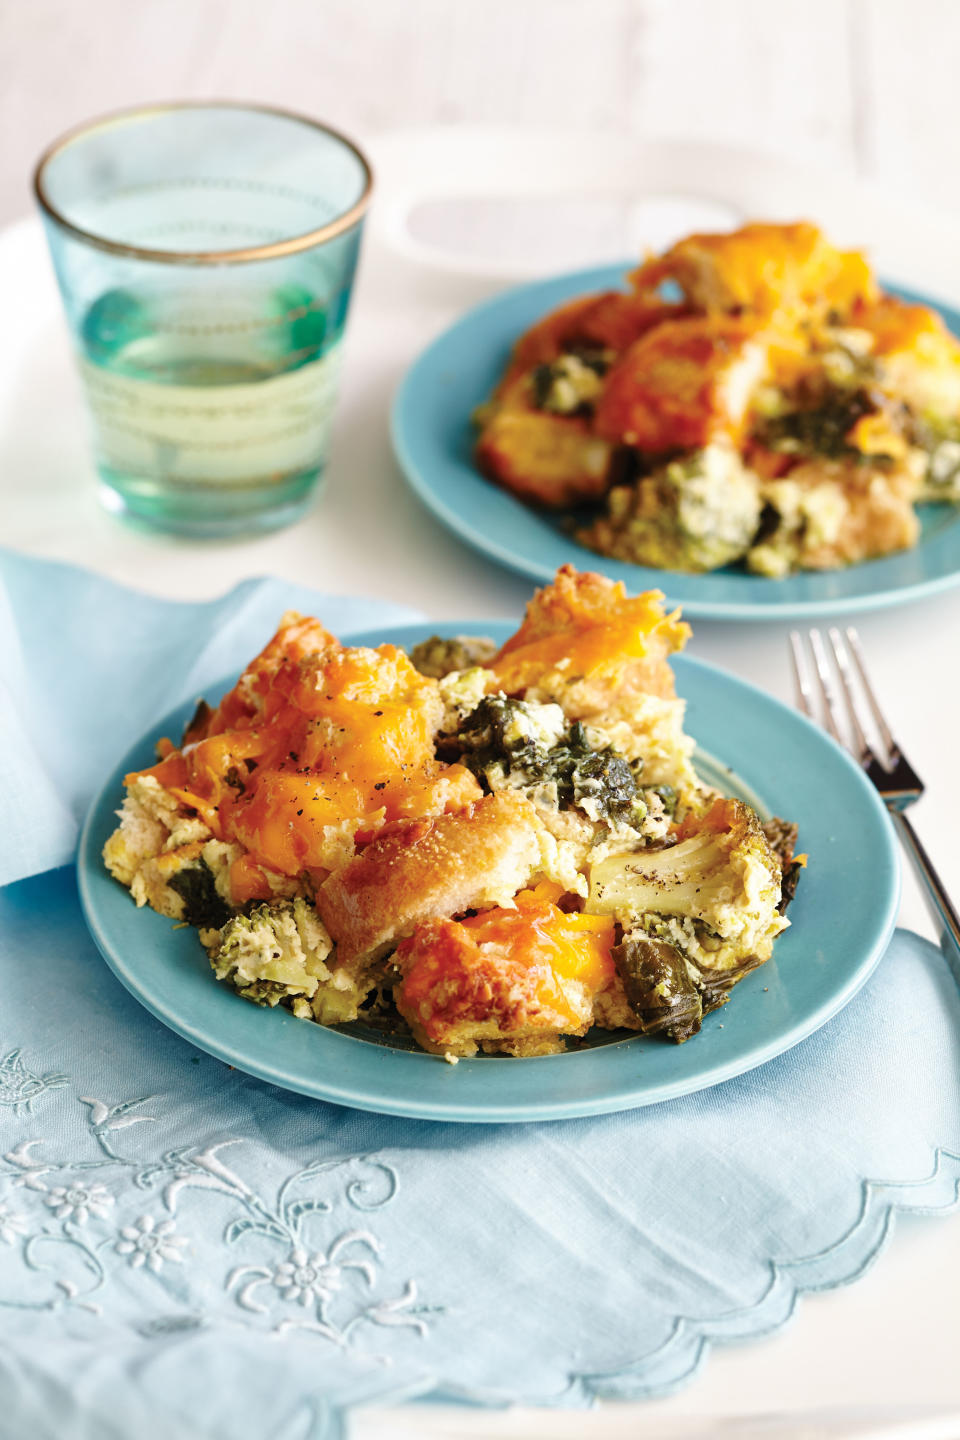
(509, 980)
(297, 637)
(549, 455)
(612, 1010)
(761, 267)
(428, 869)
(609, 321)
(583, 629)
(602, 657)
(683, 385)
(551, 460)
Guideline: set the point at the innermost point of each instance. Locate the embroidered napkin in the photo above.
(188, 1252)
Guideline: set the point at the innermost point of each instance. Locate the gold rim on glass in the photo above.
(274, 250)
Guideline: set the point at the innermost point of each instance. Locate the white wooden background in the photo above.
(868, 86)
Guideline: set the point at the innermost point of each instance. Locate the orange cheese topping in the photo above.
(319, 746)
(309, 742)
(762, 267)
(876, 435)
(593, 649)
(513, 965)
(684, 384)
(297, 638)
(585, 625)
(899, 326)
(577, 946)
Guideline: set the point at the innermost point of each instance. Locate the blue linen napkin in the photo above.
(188, 1252)
(86, 666)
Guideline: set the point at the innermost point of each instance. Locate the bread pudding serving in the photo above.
(488, 849)
(752, 398)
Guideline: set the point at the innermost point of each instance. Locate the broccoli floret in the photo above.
(715, 893)
(271, 992)
(530, 747)
(202, 905)
(821, 426)
(277, 955)
(695, 514)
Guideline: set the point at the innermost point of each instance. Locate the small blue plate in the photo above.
(433, 440)
(842, 920)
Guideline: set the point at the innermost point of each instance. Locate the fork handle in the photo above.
(944, 916)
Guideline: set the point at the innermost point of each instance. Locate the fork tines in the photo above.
(842, 703)
(897, 783)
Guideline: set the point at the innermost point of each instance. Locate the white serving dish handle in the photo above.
(655, 188)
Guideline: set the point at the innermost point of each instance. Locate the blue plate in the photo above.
(842, 920)
(433, 440)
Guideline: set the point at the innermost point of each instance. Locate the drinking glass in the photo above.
(205, 254)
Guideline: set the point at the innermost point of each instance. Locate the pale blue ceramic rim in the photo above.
(843, 919)
(432, 440)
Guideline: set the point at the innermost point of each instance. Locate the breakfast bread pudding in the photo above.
(482, 848)
(752, 398)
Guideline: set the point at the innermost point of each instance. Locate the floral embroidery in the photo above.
(311, 1278)
(149, 1243)
(306, 1278)
(30, 1170)
(12, 1224)
(302, 1278)
(327, 1279)
(78, 1202)
(19, 1086)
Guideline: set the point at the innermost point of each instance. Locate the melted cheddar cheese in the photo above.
(508, 974)
(684, 385)
(761, 267)
(582, 627)
(337, 737)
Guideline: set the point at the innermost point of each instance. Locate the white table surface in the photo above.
(891, 1339)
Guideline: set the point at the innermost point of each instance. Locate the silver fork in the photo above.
(897, 782)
